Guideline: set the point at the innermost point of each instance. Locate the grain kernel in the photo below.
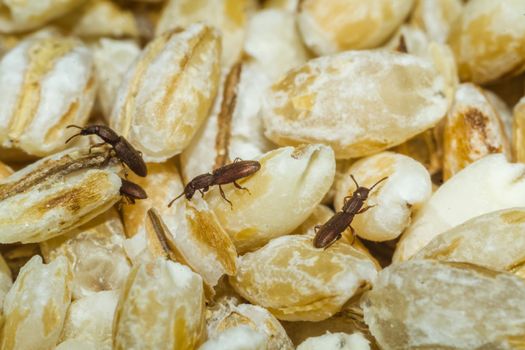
(495, 240)
(358, 102)
(283, 193)
(19, 16)
(166, 95)
(459, 306)
(112, 60)
(229, 17)
(488, 40)
(90, 319)
(95, 252)
(55, 195)
(436, 18)
(46, 83)
(197, 240)
(296, 281)
(225, 316)
(473, 129)
(100, 18)
(489, 184)
(161, 306)
(191, 228)
(408, 187)
(36, 305)
(273, 43)
(330, 26)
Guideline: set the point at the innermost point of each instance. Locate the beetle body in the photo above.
(227, 174)
(332, 230)
(235, 171)
(131, 191)
(123, 149)
(130, 156)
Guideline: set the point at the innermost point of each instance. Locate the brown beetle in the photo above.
(229, 173)
(123, 149)
(131, 191)
(331, 231)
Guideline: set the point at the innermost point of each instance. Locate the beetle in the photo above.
(229, 173)
(131, 191)
(123, 149)
(331, 231)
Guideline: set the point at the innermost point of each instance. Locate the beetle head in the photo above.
(362, 193)
(189, 191)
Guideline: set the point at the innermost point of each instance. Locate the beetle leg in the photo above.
(224, 197)
(240, 187)
(237, 160)
(202, 193)
(128, 199)
(365, 209)
(111, 154)
(125, 170)
(107, 159)
(96, 145)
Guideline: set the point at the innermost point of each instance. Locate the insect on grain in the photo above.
(122, 148)
(131, 191)
(227, 174)
(331, 231)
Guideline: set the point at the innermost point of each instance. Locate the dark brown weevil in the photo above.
(123, 149)
(331, 231)
(227, 174)
(131, 191)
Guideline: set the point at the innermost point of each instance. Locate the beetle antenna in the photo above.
(72, 137)
(353, 178)
(377, 183)
(173, 201)
(74, 126)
